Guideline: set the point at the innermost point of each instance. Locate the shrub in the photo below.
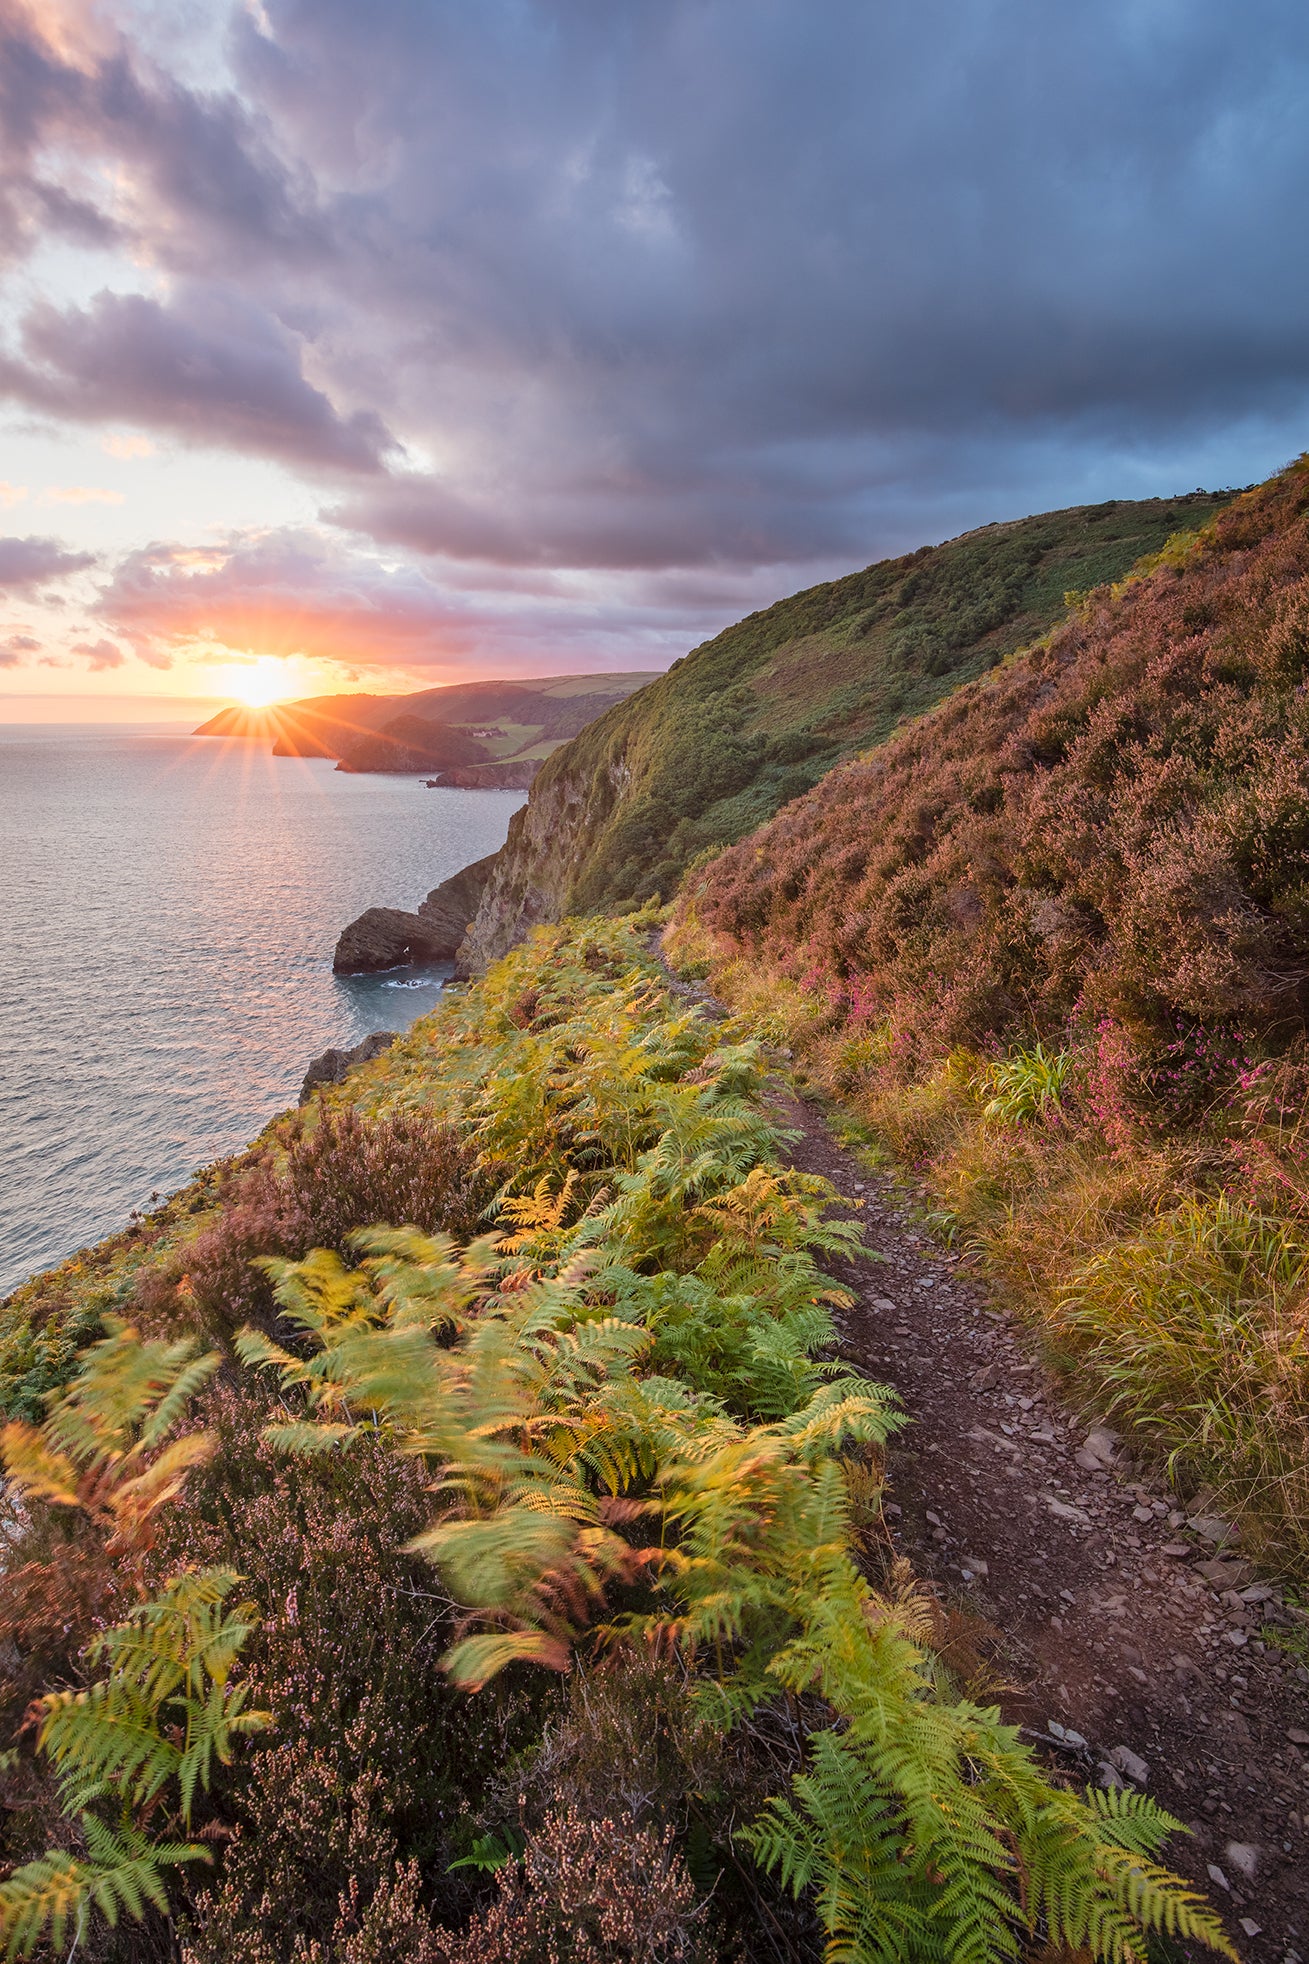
(334, 1170)
(586, 1892)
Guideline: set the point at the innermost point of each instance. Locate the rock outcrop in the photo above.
(388, 937)
(531, 876)
(516, 775)
(335, 1065)
(449, 908)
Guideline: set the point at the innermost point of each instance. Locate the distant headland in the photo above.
(473, 735)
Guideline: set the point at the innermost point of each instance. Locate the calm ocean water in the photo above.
(168, 910)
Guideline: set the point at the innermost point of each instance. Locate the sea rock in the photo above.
(386, 937)
(334, 1065)
(449, 908)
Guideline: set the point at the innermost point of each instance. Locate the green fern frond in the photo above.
(122, 1872)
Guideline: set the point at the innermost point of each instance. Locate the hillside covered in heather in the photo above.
(1114, 825)
(1050, 946)
(755, 717)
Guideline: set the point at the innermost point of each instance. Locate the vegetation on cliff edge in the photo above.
(1052, 943)
(433, 1597)
(756, 716)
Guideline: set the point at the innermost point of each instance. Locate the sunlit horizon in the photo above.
(275, 397)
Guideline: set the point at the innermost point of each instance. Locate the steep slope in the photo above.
(1050, 949)
(755, 717)
(1115, 825)
(464, 723)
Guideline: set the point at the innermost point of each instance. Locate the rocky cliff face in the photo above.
(388, 937)
(531, 877)
(449, 908)
(334, 1066)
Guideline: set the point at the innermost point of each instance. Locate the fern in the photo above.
(103, 1447)
(629, 1430)
(988, 1853)
(122, 1871)
(164, 1714)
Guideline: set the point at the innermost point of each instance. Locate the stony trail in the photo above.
(1129, 1639)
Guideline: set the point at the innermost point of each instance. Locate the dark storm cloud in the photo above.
(210, 368)
(715, 283)
(712, 286)
(26, 564)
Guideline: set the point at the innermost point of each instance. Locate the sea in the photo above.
(168, 909)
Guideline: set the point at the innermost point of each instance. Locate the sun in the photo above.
(259, 685)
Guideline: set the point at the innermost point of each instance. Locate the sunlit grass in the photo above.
(1170, 1300)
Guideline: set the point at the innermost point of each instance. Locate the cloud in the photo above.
(79, 494)
(209, 366)
(193, 177)
(26, 564)
(122, 446)
(100, 655)
(302, 593)
(704, 298)
(15, 648)
(727, 288)
(12, 494)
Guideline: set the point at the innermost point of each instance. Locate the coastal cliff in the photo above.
(756, 717)
(529, 880)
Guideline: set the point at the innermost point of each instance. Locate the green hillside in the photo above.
(1052, 946)
(756, 716)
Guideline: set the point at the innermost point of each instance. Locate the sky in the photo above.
(383, 346)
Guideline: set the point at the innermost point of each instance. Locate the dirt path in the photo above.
(1118, 1621)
